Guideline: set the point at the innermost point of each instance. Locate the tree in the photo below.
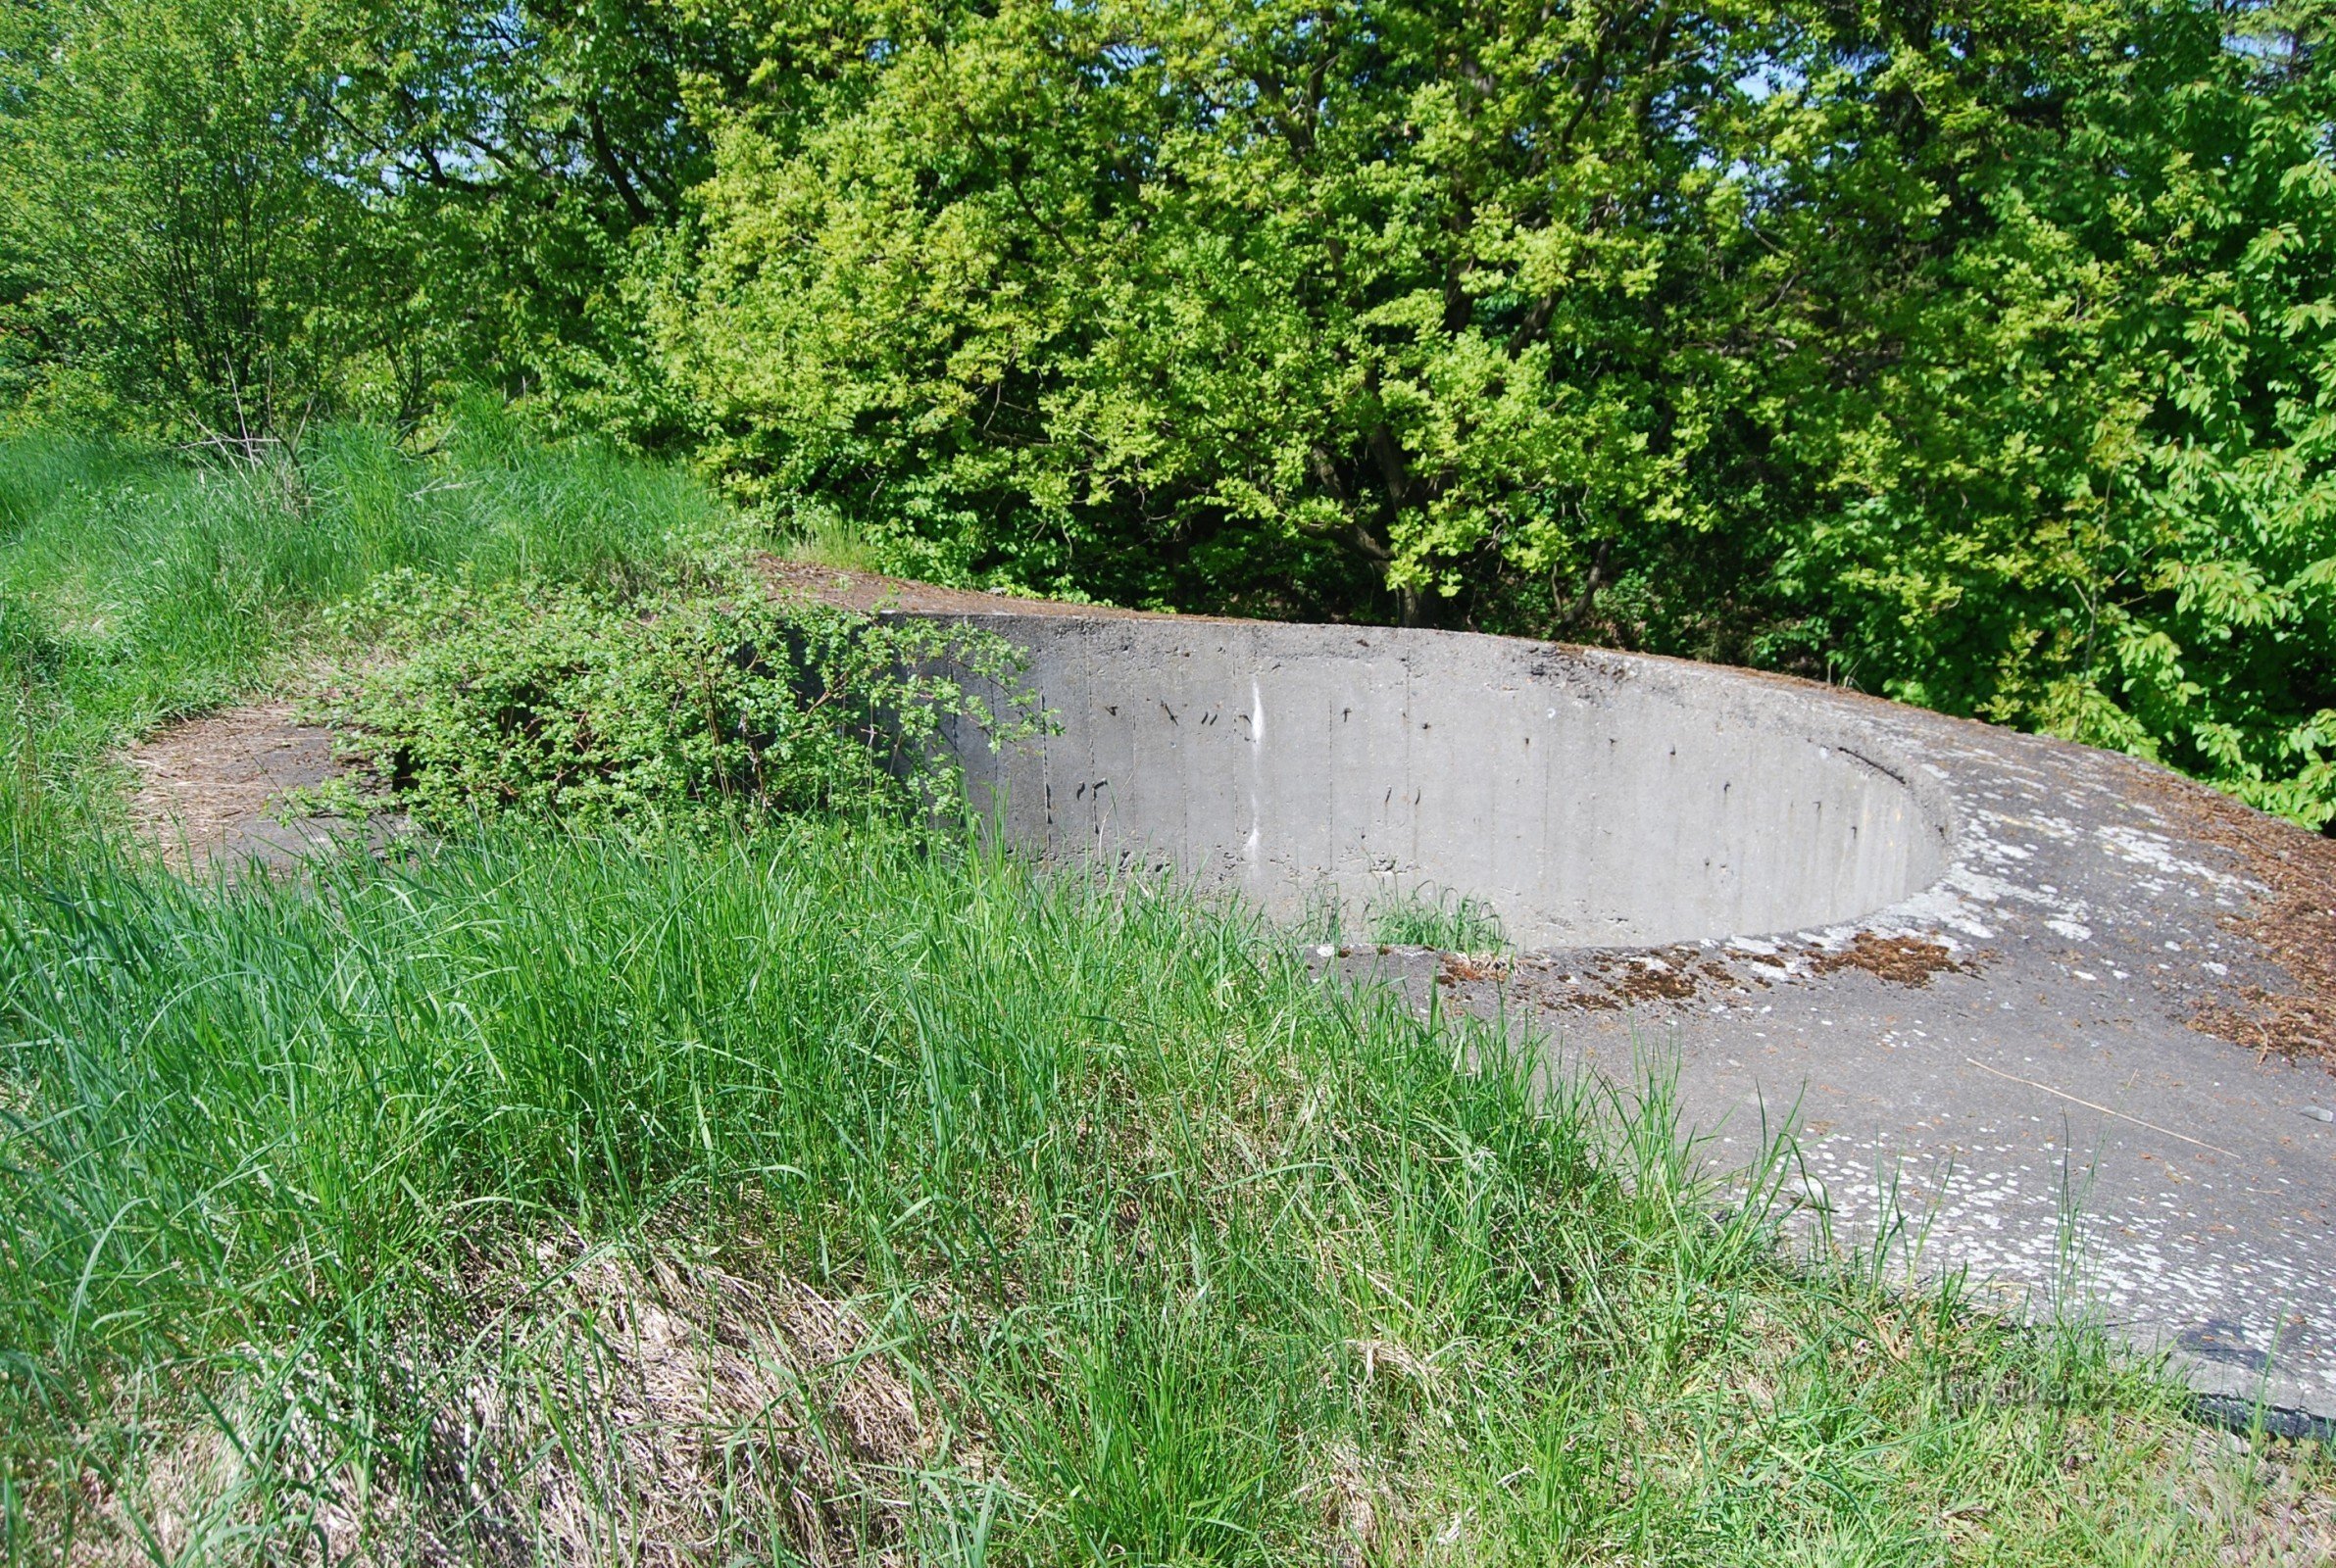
(1282, 306)
(2092, 488)
(226, 215)
(177, 250)
(1976, 352)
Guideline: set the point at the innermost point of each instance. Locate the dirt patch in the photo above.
(867, 591)
(1902, 959)
(1606, 981)
(208, 787)
(1659, 980)
(2294, 924)
(1461, 968)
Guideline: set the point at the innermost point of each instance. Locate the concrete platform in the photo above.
(1998, 978)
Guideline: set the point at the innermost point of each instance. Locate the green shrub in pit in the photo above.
(683, 704)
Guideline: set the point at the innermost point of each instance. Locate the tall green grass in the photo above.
(137, 585)
(834, 1191)
(1426, 916)
(356, 1209)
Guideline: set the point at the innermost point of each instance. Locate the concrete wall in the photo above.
(1590, 798)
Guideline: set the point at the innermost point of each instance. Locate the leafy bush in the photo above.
(676, 704)
(145, 584)
(1981, 358)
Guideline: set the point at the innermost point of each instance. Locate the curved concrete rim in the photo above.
(1971, 962)
(1586, 798)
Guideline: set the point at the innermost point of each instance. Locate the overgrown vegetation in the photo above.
(815, 1187)
(817, 1194)
(699, 701)
(136, 586)
(1978, 355)
(812, 1184)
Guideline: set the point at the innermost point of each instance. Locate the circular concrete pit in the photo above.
(1969, 964)
(1589, 798)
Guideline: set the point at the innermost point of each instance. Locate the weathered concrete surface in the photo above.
(1589, 798)
(1776, 851)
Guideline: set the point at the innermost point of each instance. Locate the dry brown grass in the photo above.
(2294, 923)
(655, 1410)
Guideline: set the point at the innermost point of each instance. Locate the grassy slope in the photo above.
(134, 587)
(824, 1190)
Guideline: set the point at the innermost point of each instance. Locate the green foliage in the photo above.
(349, 1202)
(1979, 356)
(138, 585)
(2093, 490)
(234, 218)
(534, 159)
(675, 705)
(1267, 307)
(183, 266)
(1445, 919)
